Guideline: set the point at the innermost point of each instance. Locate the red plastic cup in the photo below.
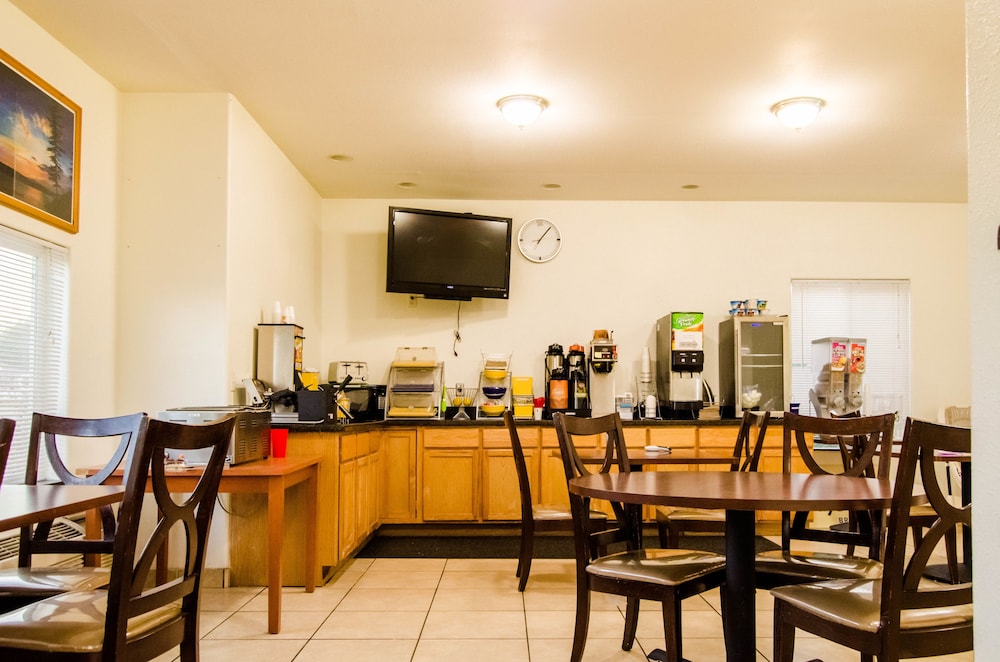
(279, 442)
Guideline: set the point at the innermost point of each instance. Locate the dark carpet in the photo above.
(507, 546)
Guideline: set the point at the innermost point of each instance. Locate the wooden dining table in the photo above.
(639, 457)
(24, 505)
(740, 494)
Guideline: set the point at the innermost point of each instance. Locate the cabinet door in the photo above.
(348, 508)
(451, 485)
(399, 476)
(501, 491)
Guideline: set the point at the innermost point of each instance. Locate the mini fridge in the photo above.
(754, 365)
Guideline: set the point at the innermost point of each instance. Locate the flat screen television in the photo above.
(448, 255)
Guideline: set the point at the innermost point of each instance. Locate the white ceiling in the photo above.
(646, 96)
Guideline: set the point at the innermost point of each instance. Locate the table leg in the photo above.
(739, 606)
(312, 498)
(275, 535)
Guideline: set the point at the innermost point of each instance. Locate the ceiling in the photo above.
(646, 96)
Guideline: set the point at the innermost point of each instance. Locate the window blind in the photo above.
(34, 279)
(877, 310)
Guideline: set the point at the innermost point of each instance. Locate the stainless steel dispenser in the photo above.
(680, 361)
(603, 357)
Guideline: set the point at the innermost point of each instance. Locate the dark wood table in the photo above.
(23, 505)
(740, 494)
(271, 477)
(637, 457)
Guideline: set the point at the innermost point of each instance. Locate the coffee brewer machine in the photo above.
(556, 381)
(680, 360)
(579, 382)
(603, 357)
(840, 367)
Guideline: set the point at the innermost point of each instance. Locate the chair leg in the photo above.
(672, 629)
(661, 529)
(784, 635)
(673, 535)
(631, 622)
(524, 560)
(951, 552)
(582, 621)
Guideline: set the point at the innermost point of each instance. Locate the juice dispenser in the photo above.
(680, 360)
(839, 365)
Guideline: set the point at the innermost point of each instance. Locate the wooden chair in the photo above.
(901, 614)
(6, 439)
(664, 575)
(746, 456)
(58, 436)
(866, 442)
(537, 518)
(134, 618)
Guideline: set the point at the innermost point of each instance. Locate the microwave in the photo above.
(367, 401)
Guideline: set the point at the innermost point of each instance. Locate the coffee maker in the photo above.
(556, 381)
(680, 360)
(579, 383)
(603, 357)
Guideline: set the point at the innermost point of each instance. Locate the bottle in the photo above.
(444, 401)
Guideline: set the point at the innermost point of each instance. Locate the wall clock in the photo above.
(539, 240)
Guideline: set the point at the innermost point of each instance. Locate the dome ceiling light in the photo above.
(798, 112)
(522, 109)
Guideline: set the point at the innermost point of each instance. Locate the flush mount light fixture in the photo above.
(522, 109)
(798, 112)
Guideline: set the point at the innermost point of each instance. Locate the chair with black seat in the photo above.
(537, 518)
(901, 614)
(6, 439)
(135, 618)
(664, 575)
(59, 436)
(866, 443)
(671, 523)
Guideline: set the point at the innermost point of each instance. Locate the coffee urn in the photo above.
(603, 357)
(556, 381)
(579, 387)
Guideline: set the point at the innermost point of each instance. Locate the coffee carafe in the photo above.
(556, 381)
(579, 389)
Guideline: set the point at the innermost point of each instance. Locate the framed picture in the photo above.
(39, 147)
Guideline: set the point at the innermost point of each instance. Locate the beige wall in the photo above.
(624, 265)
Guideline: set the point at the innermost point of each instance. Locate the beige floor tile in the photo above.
(465, 565)
(271, 650)
(358, 650)
(694, 623)
(564, 599)
(694, 648)
(253, 625)
(372, 625)
(324, 598)
(478, 599)
(209, 620)
(398, 579)
(480, 650)
(597, 650)
(485, 579)
(557, 624)
(474, 625)
(407, 565)
(387, 599)
(228, 599)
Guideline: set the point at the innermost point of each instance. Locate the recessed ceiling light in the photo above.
(691, 187)
(522, 109)
(798, 112)
(552, 187)
(341, 158)
(406, 185)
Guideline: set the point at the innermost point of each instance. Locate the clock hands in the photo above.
(539, 240)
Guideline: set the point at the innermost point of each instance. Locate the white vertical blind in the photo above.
(877, 310)
(34, 277)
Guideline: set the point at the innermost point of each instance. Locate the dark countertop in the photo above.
(491, 422)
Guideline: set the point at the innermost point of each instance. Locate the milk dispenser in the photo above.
(680, 360)
(839, 365)
(603, 356)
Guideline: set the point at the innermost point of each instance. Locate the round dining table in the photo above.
(740, 494)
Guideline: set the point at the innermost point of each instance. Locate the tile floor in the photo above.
(431, 610)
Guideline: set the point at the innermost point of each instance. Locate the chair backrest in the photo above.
(628, 526)
(750, 440)
(132, 591)
(6, 439)
(958, 416)
(520, 465)
(903, 585)
(866, 450)
(57, 434)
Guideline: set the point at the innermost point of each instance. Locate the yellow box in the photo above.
(521, 386)
(524, 411)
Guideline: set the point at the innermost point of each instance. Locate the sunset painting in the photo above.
(39, 147)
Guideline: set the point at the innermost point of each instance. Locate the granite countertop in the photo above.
(496, 421)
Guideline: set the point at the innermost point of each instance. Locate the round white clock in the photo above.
(539, 240)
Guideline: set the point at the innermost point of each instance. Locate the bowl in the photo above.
(494, 392)
(494, 374)
(492, 410)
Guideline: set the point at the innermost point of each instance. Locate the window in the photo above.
(875, 310)
(34, 277)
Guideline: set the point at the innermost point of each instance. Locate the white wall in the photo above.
(93, 268)
(984, 202)
(624, 265)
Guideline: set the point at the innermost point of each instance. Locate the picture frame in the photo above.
(39, 147)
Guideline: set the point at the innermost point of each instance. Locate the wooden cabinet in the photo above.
(450, 470)
(359, 490)
(501, 490)
(399, 476)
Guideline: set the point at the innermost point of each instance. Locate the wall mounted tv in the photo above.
(448, 255)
